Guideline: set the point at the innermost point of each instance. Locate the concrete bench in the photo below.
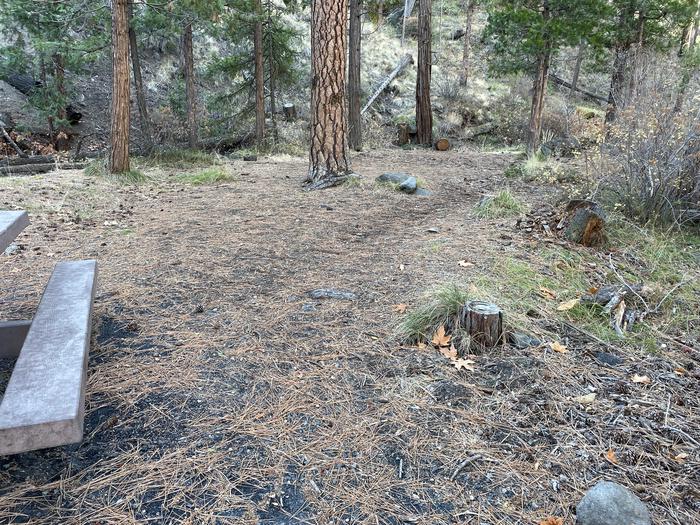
(11, 225)
(43, 405)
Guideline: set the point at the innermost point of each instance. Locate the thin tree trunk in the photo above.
(188, 71)
(328, 165)
(59, 65)
(380, 13)
(696, 29)
(424, 112)
(273, 72)
(354, 76)
(636, 59)
(469, 7)
(539, 90)
(121, 86)
(49, 119)
(259, 76)
(577, 67)
(621, 52)
(138, 83)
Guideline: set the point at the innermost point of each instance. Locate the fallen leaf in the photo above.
(593, 290)
(466, 364)
(636, 378)
(441, 339)
(568, 305)
(465, 264)
(400, 308)
(450, 353)
(680, 457)
(585, 400)
(422, 346)
(611, 457)
(552, 521)
(680, 371)
(546, 293)
(558, 347)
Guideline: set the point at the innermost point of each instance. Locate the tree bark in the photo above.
(273, 72)
(469, 7)
(354, 76)
(424, 112)
(577, 67)
(380, 13)
(539, 89)
(328, 158)
(188, 72)
(259, 76)
(621, 52)
(484, 323)
(121, 87)
(138, 83)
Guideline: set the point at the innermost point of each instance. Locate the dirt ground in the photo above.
(219, 392)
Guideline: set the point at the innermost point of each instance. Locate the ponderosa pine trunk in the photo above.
(273, 73)
(329, 165)
(259, 76)
(469, 7)
(138, 82)
(190, 90)
(121, 86)
(424, 112)
(539, 89)
(354, 76)
(577, 67)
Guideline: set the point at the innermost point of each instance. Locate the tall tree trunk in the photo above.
(621, 54)
(49, 118)
(577, 67)
(329, 165)
(138, 83)
(424, 112)
(273, 73)
(636, 58)
(539, 89)
(469, 7)
(121, 86)
(380, 13)
(59, 67)
(354, 76)
(259, 76)
(191, 93)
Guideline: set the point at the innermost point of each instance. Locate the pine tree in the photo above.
(354, 76)
(424, 112)
(119, 151)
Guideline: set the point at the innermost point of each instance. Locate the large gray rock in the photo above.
(410, 185)
(611, 504)
(393, 178)
(17, 113)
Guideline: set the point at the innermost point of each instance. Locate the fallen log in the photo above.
(442, 144)
(37, 169)
(403, 64)
(21, 161)
(588, 94)
(474, 132)
(225, 144)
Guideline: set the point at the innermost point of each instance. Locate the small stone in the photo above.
(250, 158)
(523, 341)
(393, 178)
(324, 293)
(609, 359)
(611, 504)
(410, 185)
(308, 308)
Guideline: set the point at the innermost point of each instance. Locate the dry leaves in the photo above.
(450, 353)
(558, 347)
(611, 457)
(680, 458)
(466, 364)
(400, 308)
(644, 380)
(552, 521)
(568, 305)
(546, 293)
(585, 400)
(440, 338)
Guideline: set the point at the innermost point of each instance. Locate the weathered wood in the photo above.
(442, 144)
(403, 64)
(474, 132)
(484, 323)
(404, 134)
(584, 223)
(11, 225)
(44, 403)
(37, 169)
(36, 159)
(11, 142)
(588, 94)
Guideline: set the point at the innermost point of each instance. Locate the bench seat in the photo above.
(43, 405)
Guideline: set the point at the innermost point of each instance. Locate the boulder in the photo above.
(611, 504)
(410, 185)
(17, 113)
(393, 178)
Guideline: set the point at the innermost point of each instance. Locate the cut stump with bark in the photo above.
(484, 323)
(584, 223)
(290, 112)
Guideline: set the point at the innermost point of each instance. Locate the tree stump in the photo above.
(484, 323)
(404, 135)
(290, 112)
(584, 223)
(442, 145)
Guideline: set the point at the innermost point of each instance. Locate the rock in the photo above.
(330, 293)
(410, 185)
(17, 113)
(393, 178)
(422, 192)
(308, 307)
(522, 341)
(611, 504)
(250, 158)
(609, 359)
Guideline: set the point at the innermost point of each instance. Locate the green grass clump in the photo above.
(503, 204)
(98, 168)
(208, 176)
(440, 310)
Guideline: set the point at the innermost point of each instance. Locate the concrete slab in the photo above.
(12, 336)
(43, 405)
(11, 225)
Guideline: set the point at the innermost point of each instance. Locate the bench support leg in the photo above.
(12, 336)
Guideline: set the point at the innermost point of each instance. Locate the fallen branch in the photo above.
(403, 64)
(12, 143)
(564, 83)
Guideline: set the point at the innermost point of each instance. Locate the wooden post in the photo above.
(484, 323)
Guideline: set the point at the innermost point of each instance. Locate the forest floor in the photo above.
(219, 392)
